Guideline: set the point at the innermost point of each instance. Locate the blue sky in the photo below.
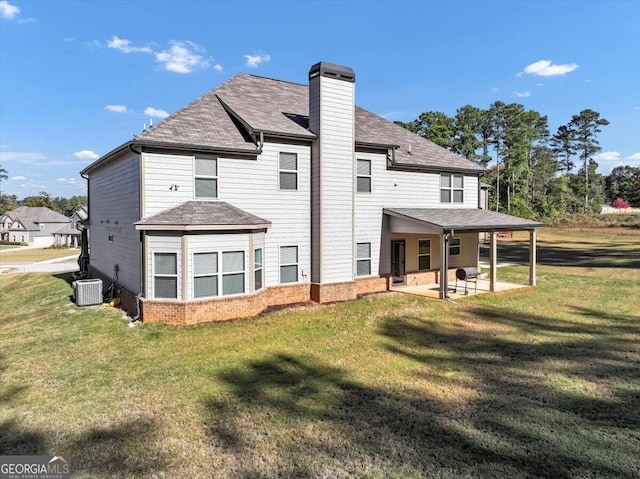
(79, 78)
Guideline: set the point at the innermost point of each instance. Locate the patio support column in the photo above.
(443, 267)
(533, 239)
(493, 270)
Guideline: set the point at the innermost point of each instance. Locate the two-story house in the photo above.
(37, 226)
(263, 193)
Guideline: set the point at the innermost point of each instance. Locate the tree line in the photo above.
(65, 206)
(533, 173)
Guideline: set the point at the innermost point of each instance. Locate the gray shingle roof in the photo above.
(203, 215)
(203, 122)
(280, 107)
(40, 214)
(464, 219)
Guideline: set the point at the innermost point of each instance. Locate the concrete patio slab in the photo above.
(433, 290)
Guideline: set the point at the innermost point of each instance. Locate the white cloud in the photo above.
(607, 156)
(21, 157)
(635, 156)
(7, 10)
(117, 108)
(545, 68)
(252, 61)
(86, 155)
(28, 20)
(587, 81)
(217, 67)
(495, 89)
(182, 57)
(125, 46)
(155, 112)
(521, 94)
(18, 178)
(539, 84)
(66, 180)
(68, 39)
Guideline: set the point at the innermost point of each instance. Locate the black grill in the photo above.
(467, 275)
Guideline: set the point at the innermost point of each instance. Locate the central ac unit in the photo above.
(87, 292)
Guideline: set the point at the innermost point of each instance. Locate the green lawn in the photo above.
(540, 382)
(34, 255)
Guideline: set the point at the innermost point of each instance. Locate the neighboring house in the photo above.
(37, 226)
(263, 193)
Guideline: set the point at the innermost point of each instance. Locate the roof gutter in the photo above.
(435, 169)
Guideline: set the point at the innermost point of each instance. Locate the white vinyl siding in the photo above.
(454, 246)
(331, 117)
(165, 275)
(363, 177)
(400, 189)
(288, 264)
(206, 178)
(451, 188)
(114, 201)
(258, 271)
(251, 184)
(288, 171)
(424, 255)
(363, 255)
(205, 275)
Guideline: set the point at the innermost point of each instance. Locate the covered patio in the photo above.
(445, 223)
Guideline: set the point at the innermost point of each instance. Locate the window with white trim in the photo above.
(258, 277)
(232, 272)
(424, 255)
(205, 275)
(165, 275)
(288, 264)
(288, 171)
(363, 176)
(451, 188)
(206, 178)
(363, 259)
(454, 246)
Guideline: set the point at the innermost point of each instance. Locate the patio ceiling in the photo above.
(440, 220)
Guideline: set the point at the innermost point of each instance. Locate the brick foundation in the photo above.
(333, 292)
(127, 298)
(375, 284)
(223, 309)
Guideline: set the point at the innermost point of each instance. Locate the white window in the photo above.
(451, 188)
(288, 171)
(257, 269)
(363, 177)
(205, 275)
(232, 272)
(454, 246)
(206, 178)
(288, 264)
(165, 275)
(363, 257)
(424, 255)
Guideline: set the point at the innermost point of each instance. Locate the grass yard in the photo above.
(34, 255)
(540, 382)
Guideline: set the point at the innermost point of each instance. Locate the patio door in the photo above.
(398, 248)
